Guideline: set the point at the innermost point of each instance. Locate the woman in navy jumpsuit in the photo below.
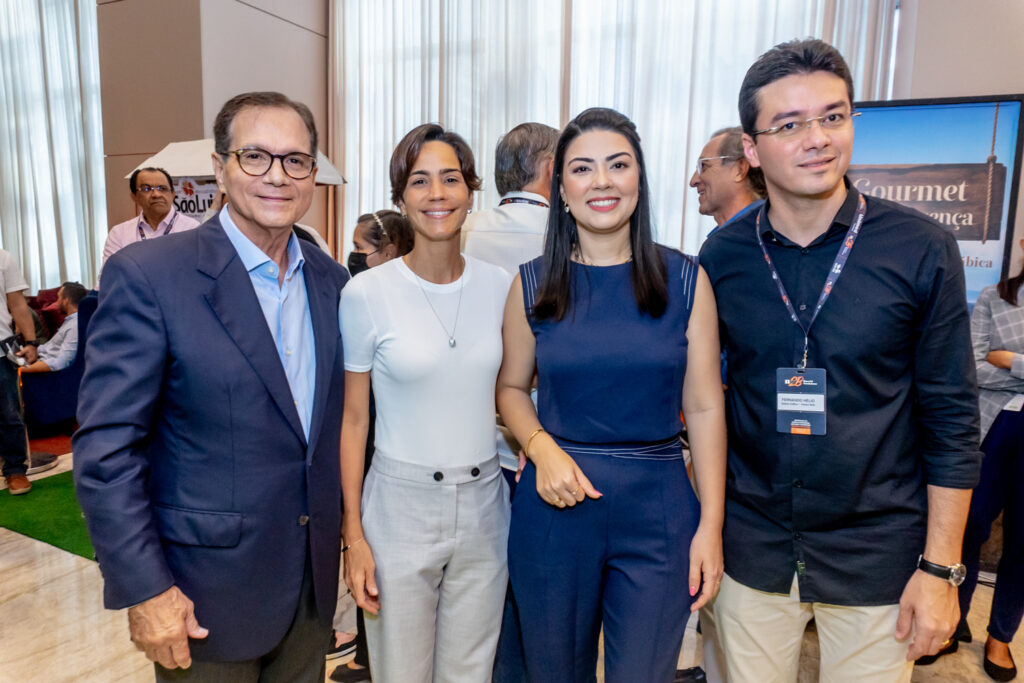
(622, 334)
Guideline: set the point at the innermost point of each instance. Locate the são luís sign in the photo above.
(193, 196)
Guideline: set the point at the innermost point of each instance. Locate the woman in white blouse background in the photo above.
(425, 540)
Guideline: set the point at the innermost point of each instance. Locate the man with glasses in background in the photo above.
(153, 192)
(207, 459)
(728, 187)
(852, 409)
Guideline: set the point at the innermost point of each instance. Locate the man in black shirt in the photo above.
(852, 408)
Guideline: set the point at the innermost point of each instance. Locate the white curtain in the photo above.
(52, 203)
(480, 68)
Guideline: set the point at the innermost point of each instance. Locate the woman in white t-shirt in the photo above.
(425, 552)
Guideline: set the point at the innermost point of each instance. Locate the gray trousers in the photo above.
(298, 658)
(439, 539)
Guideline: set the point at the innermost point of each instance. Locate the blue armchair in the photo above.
(51, 398)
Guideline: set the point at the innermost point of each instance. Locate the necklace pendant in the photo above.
(451, 342)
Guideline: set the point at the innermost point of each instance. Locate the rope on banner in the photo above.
(991, 170)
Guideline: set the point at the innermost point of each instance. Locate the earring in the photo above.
(567, 208)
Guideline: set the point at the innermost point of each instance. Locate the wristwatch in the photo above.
(31, 342)
(954, 573)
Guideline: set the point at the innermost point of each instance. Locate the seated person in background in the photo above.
(59, 352)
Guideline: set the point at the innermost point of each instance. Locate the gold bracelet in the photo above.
(536, 431)
(345, 549)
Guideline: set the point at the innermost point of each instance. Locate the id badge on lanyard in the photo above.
(800, 392)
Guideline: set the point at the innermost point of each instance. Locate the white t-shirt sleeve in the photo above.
(358, 331)
(13, 278)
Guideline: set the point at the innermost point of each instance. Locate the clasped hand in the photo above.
(560, 481)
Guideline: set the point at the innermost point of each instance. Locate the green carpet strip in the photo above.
(48, 513)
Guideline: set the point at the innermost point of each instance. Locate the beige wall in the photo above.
(150, 85)
(267, 45)
(167, 67)
(954, 48)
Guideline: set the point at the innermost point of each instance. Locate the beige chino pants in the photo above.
(760, 635)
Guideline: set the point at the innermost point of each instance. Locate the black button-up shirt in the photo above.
(845, 511)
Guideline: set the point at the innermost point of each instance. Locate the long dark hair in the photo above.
(1009, 287)
(649, 272)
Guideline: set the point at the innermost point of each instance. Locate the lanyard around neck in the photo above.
(833, 274)
(142, 233)
(521, 200)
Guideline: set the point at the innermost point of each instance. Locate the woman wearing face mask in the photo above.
(622, 334)
(425, 539)
(379, 237)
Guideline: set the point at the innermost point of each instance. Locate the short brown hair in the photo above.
(519, 154)
(408, 151)
(227, 114)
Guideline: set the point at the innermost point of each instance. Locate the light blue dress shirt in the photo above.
(286, 309)
(60, 351)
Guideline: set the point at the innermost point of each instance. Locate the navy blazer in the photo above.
(191, 464)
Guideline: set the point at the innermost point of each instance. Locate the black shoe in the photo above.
(692, 675)
(40, 462)
(342, 650)
(953, 646)
(344, 674)
(1000, 673)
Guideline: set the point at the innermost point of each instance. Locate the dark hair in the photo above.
(408, 150)
(388, 227)
(1009, 287)
(135, 177)
(649, 272)
(787, 59)
(520, 152)
(74, 292)
(226, 117)
(732, 147)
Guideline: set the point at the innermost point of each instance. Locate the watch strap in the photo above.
(939, 570)
(954, 574)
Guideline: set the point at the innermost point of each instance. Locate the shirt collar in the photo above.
(756, 204)
(166, 221)
(252, 257)
(840, 224)
(518, 194)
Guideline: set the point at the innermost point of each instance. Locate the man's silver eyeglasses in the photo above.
(256, 162)
(704, 163)
(146, 189)
(833, 121)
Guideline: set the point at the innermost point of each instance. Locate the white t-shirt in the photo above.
(11, 280)
(435, 403)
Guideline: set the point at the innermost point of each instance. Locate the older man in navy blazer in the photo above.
(207, 458)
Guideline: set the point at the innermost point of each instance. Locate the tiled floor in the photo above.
(54, 628)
